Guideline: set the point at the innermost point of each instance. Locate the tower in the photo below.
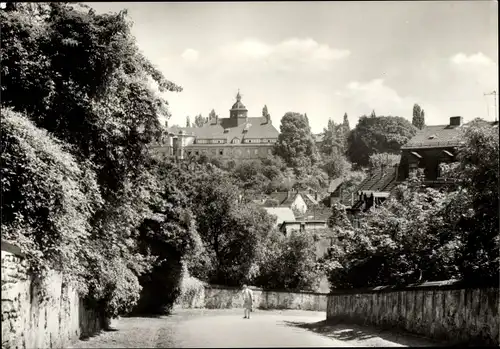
(238, 113)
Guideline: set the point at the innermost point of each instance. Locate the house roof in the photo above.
(435, 137)
(228, 129)
(282, 214)
(334, 184)
(378, 181)
(441, 136)
(284, 198)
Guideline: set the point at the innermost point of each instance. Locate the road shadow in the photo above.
(361, 333)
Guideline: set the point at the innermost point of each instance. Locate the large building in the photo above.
(235, 138)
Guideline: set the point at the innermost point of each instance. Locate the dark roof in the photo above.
(228, 129)
(379, 180)
(440, 136)
(435, 137)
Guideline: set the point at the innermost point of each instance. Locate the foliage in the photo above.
(192, 289)
(199, 120)
(288, 262)
(380, 160)
(477, 200)
(400, 242)
(335, 138)
(104, 106)
(295, 143)
(422, 234)
(378, 134)
(48, 198)
(230, 233)
(170, 236)
(337, 166)
(418, 119)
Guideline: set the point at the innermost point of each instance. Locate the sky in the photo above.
(323, 58)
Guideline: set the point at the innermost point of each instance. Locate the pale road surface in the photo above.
(228, 329)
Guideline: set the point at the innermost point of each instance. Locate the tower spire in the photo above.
(238, 96)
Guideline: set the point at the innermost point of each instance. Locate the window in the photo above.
(197, 153)
(221, 152)
(249, 141)
(256, 151)
(269, 151)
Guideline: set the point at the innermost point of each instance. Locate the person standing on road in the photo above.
(247, 301)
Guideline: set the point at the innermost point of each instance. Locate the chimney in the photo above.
(456, 121)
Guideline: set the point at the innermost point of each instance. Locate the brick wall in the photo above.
(439, 310)
(30, 321)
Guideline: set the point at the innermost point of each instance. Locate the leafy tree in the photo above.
(477, 174)
(212, 115)
(230, 232)
(170, 236)
(400, 242)
(337, 166)
(381, 134)
(333, 139)
(379, 160)
(295, 143)
(288, 262)
(418, 119)
(48, 199)
(104, 107)
(265, 113)
(345, 123)
(199, 120)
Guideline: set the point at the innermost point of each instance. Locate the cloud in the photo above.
(476, 69)
(363, 97)
(477, 59)
(190, 55)
(289, 54)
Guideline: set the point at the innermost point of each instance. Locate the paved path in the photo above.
(228, 329)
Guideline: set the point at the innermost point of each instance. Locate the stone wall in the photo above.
(32, 321)
(218, 297)
(439, 310)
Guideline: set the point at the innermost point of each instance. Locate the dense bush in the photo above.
(288, 262)
(422, 234)
(48, 198)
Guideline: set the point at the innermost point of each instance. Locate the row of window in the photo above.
(221, 152)
(236, 141)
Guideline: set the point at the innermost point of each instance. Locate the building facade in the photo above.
(238, 137)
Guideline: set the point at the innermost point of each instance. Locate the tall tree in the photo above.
(381, 134)
(345, 122)
(212, 115)
(105, 108)
(295, 143)
(418, 119)
(188, 121)
(199, 120)
(265, 113)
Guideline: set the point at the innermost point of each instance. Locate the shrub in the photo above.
(47, 198)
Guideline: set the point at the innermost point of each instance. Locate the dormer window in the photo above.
(235, 141)
(432, 136)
